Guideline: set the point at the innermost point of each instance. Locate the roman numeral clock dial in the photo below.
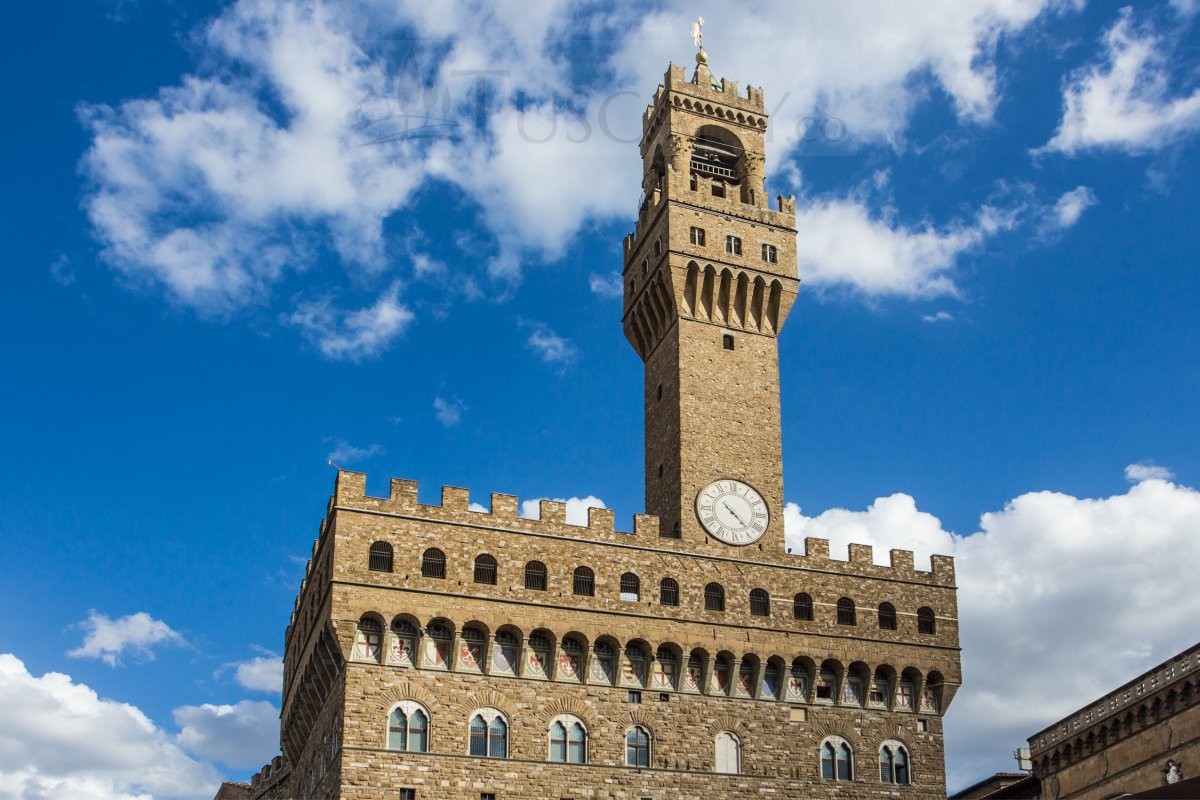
(732, 512)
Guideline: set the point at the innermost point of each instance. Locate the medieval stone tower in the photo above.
(441, 652)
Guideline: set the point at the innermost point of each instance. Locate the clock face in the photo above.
(732, 512)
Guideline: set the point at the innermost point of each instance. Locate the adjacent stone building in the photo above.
(1132, 740)
(437, 651)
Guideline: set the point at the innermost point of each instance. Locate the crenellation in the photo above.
(902, 561)
(553, 512)
(455, 499)
(601, 520)
(943, 569)
(862, 554)
(504, 506)
(816, 548)
(646, 525)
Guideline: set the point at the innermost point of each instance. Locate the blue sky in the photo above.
(228, 262)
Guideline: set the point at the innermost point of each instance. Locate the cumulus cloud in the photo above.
(1070, 207)
(260, 674)
(608, 287)
(577, 508)
(61, 272)
(448, 412)
(353, 335)
(295, 138)
(1136, 473)
(841, 243)
(343, 452)
(549, 346)
(1125, 101)
(1047, 583)
(59, 740)
(242, 736)
(940, 316)
(109, 639)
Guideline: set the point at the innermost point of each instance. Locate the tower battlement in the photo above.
(350, 494)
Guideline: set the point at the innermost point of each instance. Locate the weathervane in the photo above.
(698, 32)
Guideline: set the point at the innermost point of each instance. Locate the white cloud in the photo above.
(61, 272)
(109, 639)
(842, 244)
(344, 452)
(608, 287)
(1048, 583)
(550, 347)
(1136, 473)
(289, 140)
(866, 66)
(448, 412)
(577, 508)
(242, 736)
(1071, 205)
(353, 335)
(940, 316)
(1125, 102)
(60, 741)
(261, 674)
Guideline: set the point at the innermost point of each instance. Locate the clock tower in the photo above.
(709, 278)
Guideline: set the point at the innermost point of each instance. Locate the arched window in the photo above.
(925, 620)
(438, 638)
(631, 586)
(433, 563)
(837, 760)
(825, 683)
(537, 660)
(603, 662)
(571, 660)
(535, 576)
(473, 652)
(584, 582)
(760, 603)
(380, 559)
(770, 681)
(802, 607)
(845, 612)
(485, 569)
(893, 763)
(508, 652)
(887, 617)
(489, 734)
(668, 592)
(368, 639)
(729, 753)
(714, 597)
(635, 662)
(665, 666)
(408, 728)
(637, 747)
(404, 643)
(568, 740)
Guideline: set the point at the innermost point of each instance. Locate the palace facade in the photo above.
(437, 651)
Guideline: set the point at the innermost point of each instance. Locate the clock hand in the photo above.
(734, 513)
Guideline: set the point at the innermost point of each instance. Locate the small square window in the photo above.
(408, 794)
(487, 796)
(663, 697)
(727, 341)
(733, 245)
(770, 254)
(635, 696)
(923, 725)
(698, 237)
